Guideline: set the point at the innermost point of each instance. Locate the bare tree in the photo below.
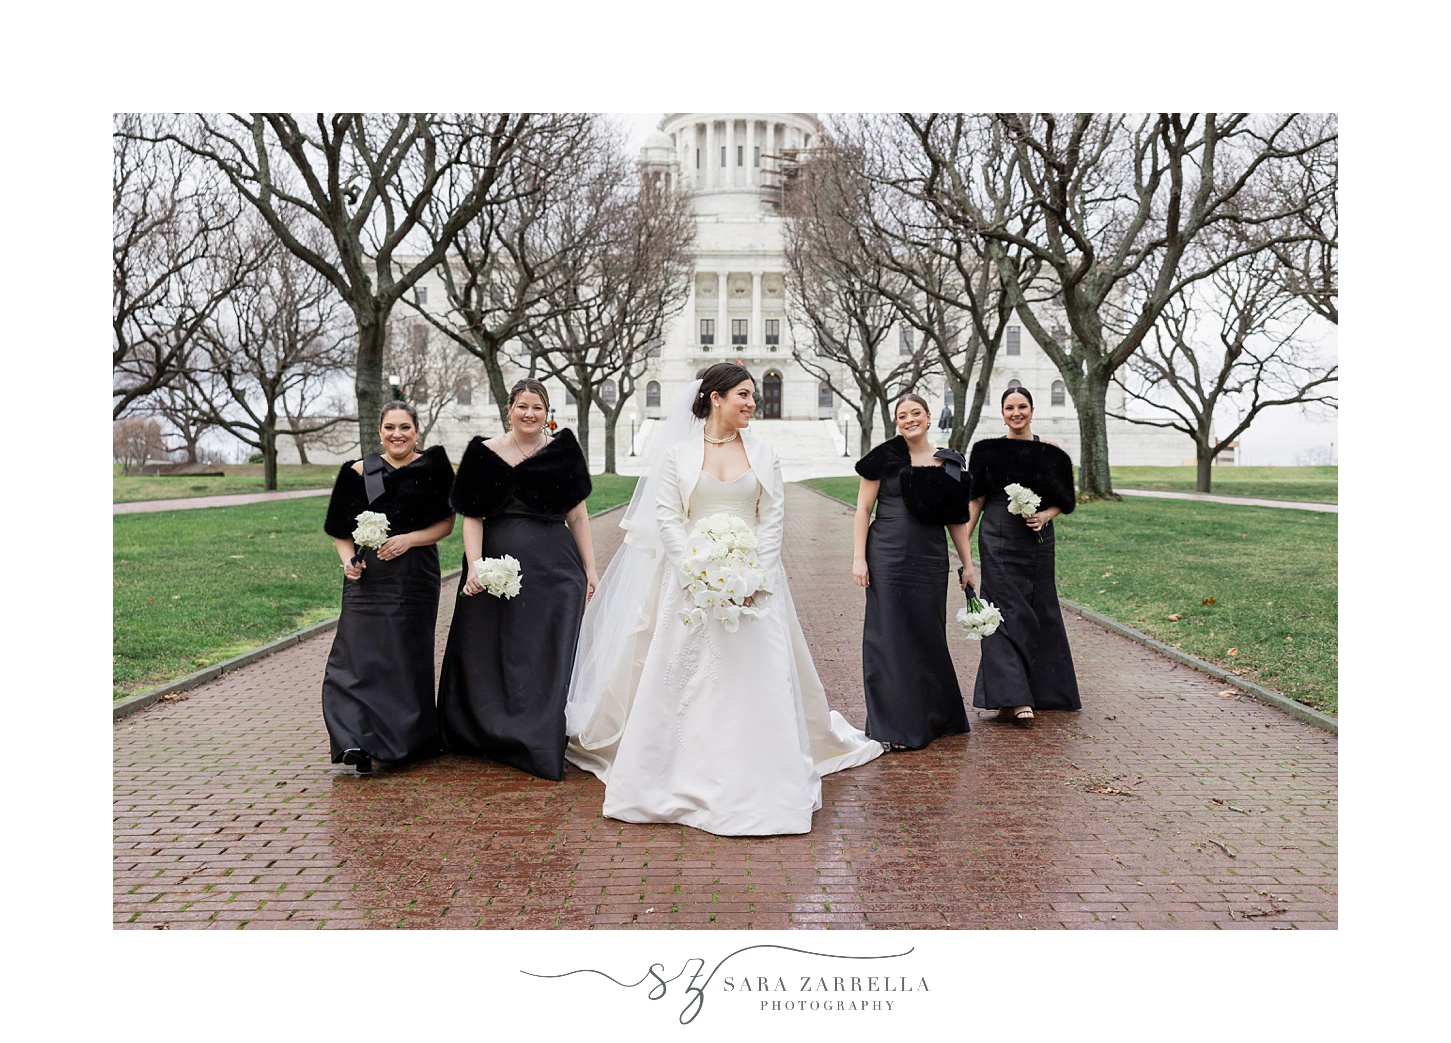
(505, 269)
(1109, 205)
(363, 181)
(431, 368)
(598, 330)
(841, 283)
(1256, 359)
(281, 331)
(134, 440)
(188, 423)
(170, 214)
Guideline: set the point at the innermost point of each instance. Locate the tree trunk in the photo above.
(269, 458)
(611, 419)
(368, 380)
(1094, 481)
(583, 403)
(864, 439)
(301, 450)
(1203, 464)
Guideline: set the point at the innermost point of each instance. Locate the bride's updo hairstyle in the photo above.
(719, 378)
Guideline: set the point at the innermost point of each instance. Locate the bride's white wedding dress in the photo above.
(726, 732)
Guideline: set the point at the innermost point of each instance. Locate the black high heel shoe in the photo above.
(359, 760)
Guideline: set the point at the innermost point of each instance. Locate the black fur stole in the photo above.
(552, 481)
(414, 495)
(998, 462)
(931, 494)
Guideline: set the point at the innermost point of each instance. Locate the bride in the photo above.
(725, 731)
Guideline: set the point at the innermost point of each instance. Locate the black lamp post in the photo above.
(845, 435)
(632, 433)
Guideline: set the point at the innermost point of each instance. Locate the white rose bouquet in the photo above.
(1023, 502)
(499, 576)
(723, 572)
(372, 531)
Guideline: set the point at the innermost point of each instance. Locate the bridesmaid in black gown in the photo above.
(506, 669)
(1026, 664)
(911, 687)
(377, 693)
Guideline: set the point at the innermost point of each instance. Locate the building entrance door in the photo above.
(771, 397)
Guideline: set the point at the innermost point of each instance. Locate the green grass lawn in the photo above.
(236, 478)
(1270, 572)
(1309, 484)
(194, 587)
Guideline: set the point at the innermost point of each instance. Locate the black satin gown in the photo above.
(911, 688)
(377, 691)
(1026, 661)
(505, 675)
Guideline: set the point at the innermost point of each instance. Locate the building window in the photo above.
(652, 350)
(608, 395)
(773, 332)
(418, 336)
(905, 346)
(1014, 384)
(1059, 334)
(1015, 340)
(824, 398)
(422, 292)
(823, 350)
(758, 156)
(697, 159)
(652, 395)
(420, 392)
(707, 331)
(739, 330)
(464, 393)
(569, 398)
(722, 155)
(1058, 394)
(740, 155)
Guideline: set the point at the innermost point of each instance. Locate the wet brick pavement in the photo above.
(1163, 804)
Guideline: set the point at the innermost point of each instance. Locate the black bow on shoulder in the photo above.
(952, 462)
(373, 470)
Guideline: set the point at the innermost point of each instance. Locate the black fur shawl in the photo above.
(1046, 469)
(414, 496)
(931, 494)
(552, 481)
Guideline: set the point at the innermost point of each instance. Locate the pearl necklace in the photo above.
(722, 441)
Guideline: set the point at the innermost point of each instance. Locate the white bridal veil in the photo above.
(623, 607)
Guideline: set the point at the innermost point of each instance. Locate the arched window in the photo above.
(1014, 384)
(824, 397)
(608, 393)
(652, 394)
(1058, 394)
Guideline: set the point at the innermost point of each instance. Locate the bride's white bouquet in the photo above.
(372, 530)
(1023, 502)
(499, 576)
(723, 570)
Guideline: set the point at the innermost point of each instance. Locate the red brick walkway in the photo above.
(1163, 804)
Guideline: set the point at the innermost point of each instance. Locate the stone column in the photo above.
(758, 331)
(710, 167)
(730, 163)
(722, 317)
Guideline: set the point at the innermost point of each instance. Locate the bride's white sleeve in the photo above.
(771, 525)
(670, 510)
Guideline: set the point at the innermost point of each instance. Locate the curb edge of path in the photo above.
(1308, 714)
(124, 707)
